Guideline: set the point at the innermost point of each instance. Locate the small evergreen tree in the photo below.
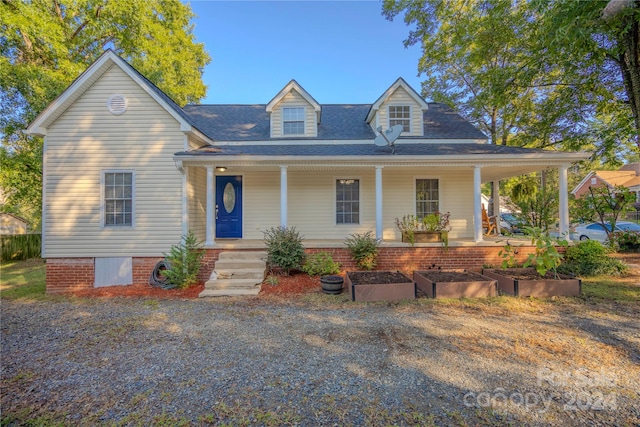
(185, 261)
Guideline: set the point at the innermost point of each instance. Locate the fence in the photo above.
(21, 246)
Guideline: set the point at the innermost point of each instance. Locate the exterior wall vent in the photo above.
(117, 104)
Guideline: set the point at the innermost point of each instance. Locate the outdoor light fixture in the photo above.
(221, 168)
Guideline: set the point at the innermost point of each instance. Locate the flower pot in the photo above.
(331, 284)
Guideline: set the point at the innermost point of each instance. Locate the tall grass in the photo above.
(21, 246)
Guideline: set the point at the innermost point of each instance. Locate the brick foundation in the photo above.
(407, 259)
(66, 275)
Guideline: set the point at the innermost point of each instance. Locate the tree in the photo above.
(606, 204)
(597, 46)
(507, 67)
(45, 45)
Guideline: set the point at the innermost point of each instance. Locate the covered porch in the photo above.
(300, 192)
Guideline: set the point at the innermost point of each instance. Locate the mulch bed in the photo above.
(294, 284)
(142, 291)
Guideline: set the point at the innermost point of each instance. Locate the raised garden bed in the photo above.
(379, 286)
(522, 282)
(454, 284)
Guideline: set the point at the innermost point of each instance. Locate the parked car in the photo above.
(511, 223)
(595, 230)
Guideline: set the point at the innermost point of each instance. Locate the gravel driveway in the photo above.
(256, 362)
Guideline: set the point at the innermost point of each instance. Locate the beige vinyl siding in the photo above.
(197, 201)
(293, 99)
(401, 97)
(456, 196)
(86, 140)
(312, 203)
(261, 197)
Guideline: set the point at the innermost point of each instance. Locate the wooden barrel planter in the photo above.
(331, 284)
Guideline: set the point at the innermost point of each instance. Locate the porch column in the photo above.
(379, 202)
(496, 204)
(563, 202)
(283, 196)
(477, 202)
(210, 222)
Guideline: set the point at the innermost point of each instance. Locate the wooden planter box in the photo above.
(458, 284)
(425, 237)
(369, 290)
(511, 283)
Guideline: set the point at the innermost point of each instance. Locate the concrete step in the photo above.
(242, 273)
(228, 292)
(232, 283)
(262, 256)
(239, 264)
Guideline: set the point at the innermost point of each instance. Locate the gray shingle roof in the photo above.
(338, 122)
(358, 150)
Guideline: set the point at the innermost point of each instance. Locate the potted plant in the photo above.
(433, 227)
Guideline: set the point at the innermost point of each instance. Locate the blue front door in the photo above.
(228, 207)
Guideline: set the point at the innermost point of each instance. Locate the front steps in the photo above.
(236, 273)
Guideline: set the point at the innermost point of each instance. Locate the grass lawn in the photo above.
(22, 279)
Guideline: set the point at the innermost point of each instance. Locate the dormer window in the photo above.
(400, 115)
(293, 120)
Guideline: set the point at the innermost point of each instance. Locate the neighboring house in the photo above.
(127, 172)
(12, 224)
(627, 176)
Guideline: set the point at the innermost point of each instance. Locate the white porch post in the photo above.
(379, 202)
(283, 196)
(564, 202)
(477, 202)
(496, 204)
(210, 223)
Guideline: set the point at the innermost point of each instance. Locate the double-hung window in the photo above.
(293, 120)
(427, 197)
(400, 115)
(118, 197)
(347, 201)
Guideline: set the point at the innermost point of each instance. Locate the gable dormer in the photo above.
(400, 104)
(293, 113)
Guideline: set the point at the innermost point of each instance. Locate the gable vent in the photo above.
(117, 104)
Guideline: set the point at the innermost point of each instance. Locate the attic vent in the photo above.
(117, 104)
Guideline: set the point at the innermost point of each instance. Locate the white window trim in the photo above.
(335, 201)
(415, 187)
(304, 120)
(395, 104)
(103, 224)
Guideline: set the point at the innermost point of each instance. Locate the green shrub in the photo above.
(364, 249)
(185, 261)
(589, 258)
(321, 264)
(627, 241)
(21, 246)
(284, 248)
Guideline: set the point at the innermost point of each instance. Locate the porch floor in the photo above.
(339, 243)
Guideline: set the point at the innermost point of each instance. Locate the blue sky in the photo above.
(339, 51)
